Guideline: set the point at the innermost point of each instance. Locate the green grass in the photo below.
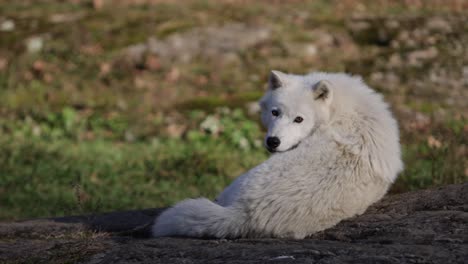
(55, 174)
(63, 178)
(428, 164)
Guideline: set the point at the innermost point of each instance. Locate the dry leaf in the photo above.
(104, 68)
(175, 130)
(173, 75)
(3, 64)
(152, 63)
(433, 142)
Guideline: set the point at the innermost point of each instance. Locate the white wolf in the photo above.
(336, 151)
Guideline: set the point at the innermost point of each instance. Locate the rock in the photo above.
(377, 77)
(322, 44)
(389, 81)
(428, 226)
(465, 75)
(66, 17)
(135, 54)
(413, 120)
(253, 108)
(392, 24)
(7, 25)
(416, 58)
(310, 50)
(34, 44)
(211, 125)
(207, 42)
(438, 24)
(129, 136)
(323, 38)
(359, 25)
(395, 61)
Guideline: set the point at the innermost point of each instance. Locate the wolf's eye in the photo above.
(275, 112)
(298, 119)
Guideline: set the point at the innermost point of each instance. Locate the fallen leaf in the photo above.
(152, 63)
(173, 75)
(433, 142)
(3, 64)
(104, 68)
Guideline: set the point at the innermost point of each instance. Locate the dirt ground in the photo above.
(429, 226)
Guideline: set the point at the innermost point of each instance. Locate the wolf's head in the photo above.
(292, 108)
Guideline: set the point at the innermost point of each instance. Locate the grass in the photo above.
(84, 130)
(439, 160)
(53, 173)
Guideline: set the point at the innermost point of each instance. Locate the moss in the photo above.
(424, 107)
(172, 26)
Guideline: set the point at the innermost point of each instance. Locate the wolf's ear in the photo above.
(276, 80)
(322, 90)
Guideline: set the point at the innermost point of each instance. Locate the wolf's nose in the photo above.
(273, 142)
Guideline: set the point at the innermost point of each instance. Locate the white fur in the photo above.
(342, 158)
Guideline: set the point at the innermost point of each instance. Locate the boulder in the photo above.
(427, 226)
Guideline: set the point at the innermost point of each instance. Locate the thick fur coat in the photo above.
(335, 151)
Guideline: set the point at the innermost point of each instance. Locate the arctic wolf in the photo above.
(335, 151)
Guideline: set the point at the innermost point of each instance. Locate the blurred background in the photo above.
(126, 104)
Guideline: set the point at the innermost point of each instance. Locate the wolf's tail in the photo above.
(200, 218)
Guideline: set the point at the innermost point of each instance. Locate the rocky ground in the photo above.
(429, 226)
